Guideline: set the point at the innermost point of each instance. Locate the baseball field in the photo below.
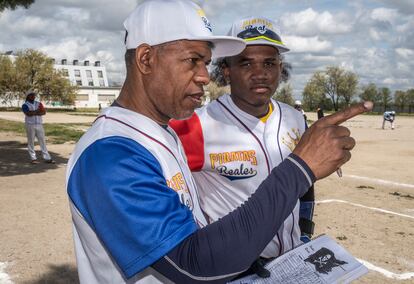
(369, 211)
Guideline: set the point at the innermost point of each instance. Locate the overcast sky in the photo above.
(373, 38)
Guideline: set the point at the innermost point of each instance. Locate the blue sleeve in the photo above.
(25, 108)
(220, 251)
(119, 188)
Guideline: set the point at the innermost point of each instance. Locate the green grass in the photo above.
(56, 133)
(94, 114)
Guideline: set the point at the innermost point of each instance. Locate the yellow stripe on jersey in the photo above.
(264, 118)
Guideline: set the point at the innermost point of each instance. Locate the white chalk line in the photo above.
(381, 181)
(370, 266)
(386, 273)
(4, 277)
(363, 206)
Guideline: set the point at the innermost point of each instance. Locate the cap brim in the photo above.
(224, 45)
(280, 47)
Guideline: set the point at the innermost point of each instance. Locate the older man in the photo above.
(134, 204)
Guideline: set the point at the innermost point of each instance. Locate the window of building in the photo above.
(100, 74)
(82, 97)
(90, 82)
(65, 72)
(77, 73)
(101, 83)
(89, 73)
(79, 82)
(106, 97)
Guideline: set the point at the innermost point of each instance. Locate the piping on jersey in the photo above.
(267, 160)
(200, 278)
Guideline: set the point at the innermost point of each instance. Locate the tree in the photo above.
(7, 74)
(400, 100)
(332, 83)
(370, 93)
(348, 86)
(34, 71)
(385, 97)
(284, 94)
(313, 93)
(13, 4)
(336, 84)
(214, 91)
(410, 99)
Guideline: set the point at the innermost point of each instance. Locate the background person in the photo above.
(234, 142)
(298, 107)
(319, 112)
(388, 116)
(134, 204)
(33, 111)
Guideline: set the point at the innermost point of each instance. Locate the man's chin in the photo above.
(184, 115)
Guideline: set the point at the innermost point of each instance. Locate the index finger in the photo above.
(343, 115)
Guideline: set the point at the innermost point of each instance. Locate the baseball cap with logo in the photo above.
(158, 21)
(258, 31)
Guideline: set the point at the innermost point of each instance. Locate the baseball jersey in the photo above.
(34, 119)
(132, 198)
(231, 152)
(389, 116)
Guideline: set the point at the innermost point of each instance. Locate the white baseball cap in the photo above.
(298, 103)
(258, 31)
(158, 21)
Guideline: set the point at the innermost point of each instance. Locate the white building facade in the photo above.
(92, 81)
(90, 77)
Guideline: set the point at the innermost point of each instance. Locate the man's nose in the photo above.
(259, 72)
(202, 76)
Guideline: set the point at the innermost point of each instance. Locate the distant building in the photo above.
(91, 79)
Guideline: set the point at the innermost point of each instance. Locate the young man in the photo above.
(134, 204)
(33, 111)
(233, 143)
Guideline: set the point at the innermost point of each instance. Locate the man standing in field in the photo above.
(388, 116)
(33, 111)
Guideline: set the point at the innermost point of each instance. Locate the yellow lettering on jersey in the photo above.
(177, 182)
(228, 157)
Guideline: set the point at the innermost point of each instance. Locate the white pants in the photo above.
(392, 124)
(36, 130)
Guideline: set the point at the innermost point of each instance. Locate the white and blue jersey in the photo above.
(136, 214)
(132, 197)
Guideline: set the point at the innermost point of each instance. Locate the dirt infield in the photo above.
(370, 210)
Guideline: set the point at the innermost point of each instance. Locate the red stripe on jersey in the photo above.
(191, 136)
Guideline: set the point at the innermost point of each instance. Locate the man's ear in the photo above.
(144, 58)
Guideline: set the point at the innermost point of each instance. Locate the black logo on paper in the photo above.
(324, 260)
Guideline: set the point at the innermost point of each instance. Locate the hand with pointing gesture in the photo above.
(326, 145)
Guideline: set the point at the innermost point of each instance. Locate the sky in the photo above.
(372, 38)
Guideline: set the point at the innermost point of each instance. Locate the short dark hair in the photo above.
(30, 94)
(129, 57)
